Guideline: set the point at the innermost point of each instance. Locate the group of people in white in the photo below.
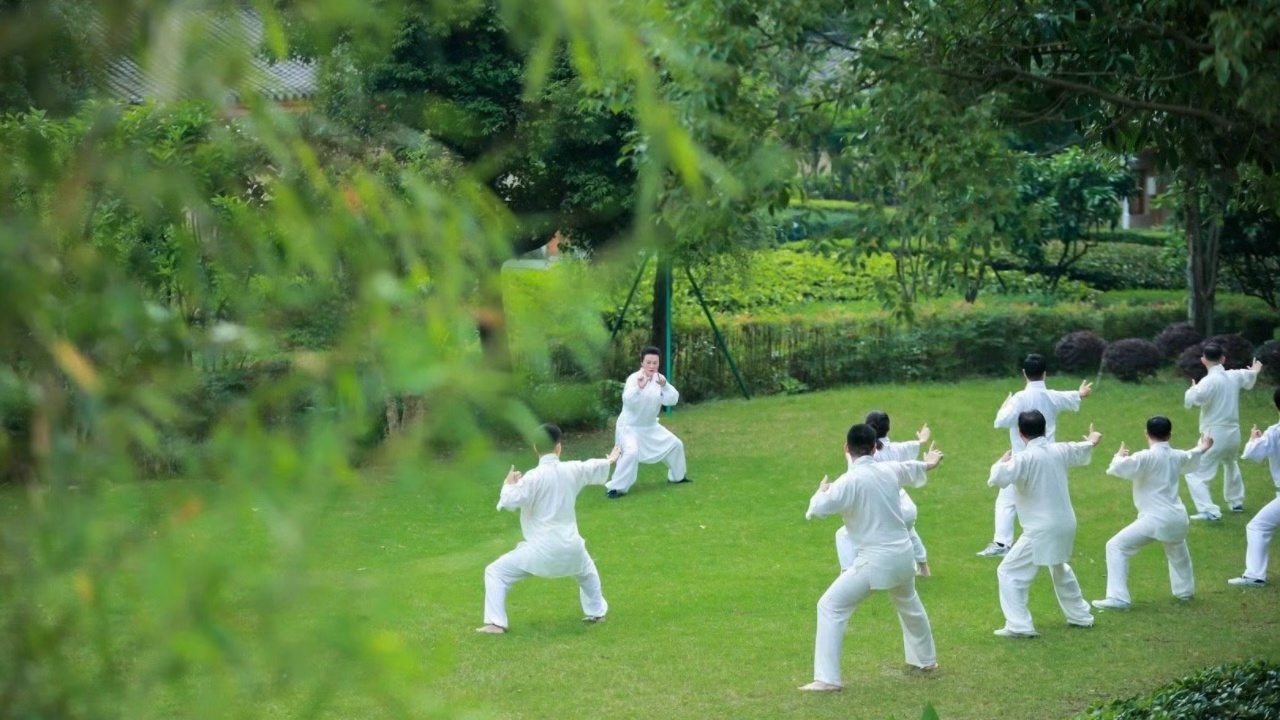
(877, 545)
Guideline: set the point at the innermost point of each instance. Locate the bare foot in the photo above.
(922, 569)
(491, 629)
(820, 686)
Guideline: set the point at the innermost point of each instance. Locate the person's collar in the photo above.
(1039, 384)
(863, 460)
(548, 459)
(1159, 443)
(1042, 440)
(1217, 368)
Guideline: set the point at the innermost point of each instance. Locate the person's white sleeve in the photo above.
(631, 390)
(1244, 378)
(589, 472)
(827, 503)
(1190, 460)
(910, 473)
(514, 496)
(1193, 396)
(902, 451)
(670, 396)
(1125, 468)
(1004, 473)
(1065, 400)
(1077, 453)
(1264, 447)
(1007, 415)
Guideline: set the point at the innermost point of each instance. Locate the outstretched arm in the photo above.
(1004, 472)
(1123, 465)
(515, 493)
(825, 501)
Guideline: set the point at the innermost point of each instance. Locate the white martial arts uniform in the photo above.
(867, 498)
(1262, 527)
(640, 436)
(1038, 476)
(1218, 397)
(846, 551)
(552, 547)
(1035, 396)
(1162, 517)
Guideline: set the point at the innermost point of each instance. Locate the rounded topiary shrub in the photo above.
(1239, 351)
(1189, 363)
(1269, 353)
(1131, 359)
(1079, 351)
(1177, 337)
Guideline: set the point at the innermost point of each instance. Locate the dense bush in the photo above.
(1151, 238)
(1269, 353)
(1132, 359)
(1079, 351)
(1189, 363)
(1233, 691)
(1177, 337)
(947, 342)
(1238, 349)
(1117, 266)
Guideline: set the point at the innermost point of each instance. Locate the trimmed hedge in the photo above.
(1079, 351)
(947, 343)
(1232, 691)
(1132, 359)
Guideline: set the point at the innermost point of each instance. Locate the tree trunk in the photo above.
(1204, 235)
(662, 308)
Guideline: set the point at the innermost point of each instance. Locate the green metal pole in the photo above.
(724, 348)
(665, 266)
(613, 331)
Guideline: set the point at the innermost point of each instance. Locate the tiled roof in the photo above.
(239, 32)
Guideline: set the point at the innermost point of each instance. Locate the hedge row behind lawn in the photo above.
(946, 343)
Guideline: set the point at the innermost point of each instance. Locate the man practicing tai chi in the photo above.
(1038, 476)
(1218, 397)
(552, 547)
(1035, 396)
(866, 496)
(638, 433)
(1162, 517)
(886, 450)
(1258, 533)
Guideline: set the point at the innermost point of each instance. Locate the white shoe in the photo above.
(1206, 516)
(491, 629)
(1110, 604)
(995, 549)
(1243, 581)
(1006, 632)
(819, 686)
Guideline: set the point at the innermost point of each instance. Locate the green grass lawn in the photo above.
(712, 585)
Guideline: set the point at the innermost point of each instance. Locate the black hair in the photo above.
(1212, 352)
(1275, 398)
(551, 432)
(1035, 366)
(650, 350)
(879, 421)
(1159, 428)
(861, 440)
(1031, 424)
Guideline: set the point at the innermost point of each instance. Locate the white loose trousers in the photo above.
(1226, 443)
(507, 570)
(1133, 538)
(646, 444)
(1006, 514)
(836, 606)
(847, 552)
(1015, 574)
(1258, 534)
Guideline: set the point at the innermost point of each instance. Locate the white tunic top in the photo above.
(867, 498)
(899, 452)
(1218, 396)
(1035, 396)
(1154, 473)
(545, 497)
(1038, 475)
(1266, 447)
(640, 405)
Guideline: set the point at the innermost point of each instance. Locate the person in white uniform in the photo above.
(888, 450)
(1218, 397)
(638, 433)
(552, 547)
(1162, 517)
(1035, 396)
(866, 497)
(1038, 476)
(1263, 446)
